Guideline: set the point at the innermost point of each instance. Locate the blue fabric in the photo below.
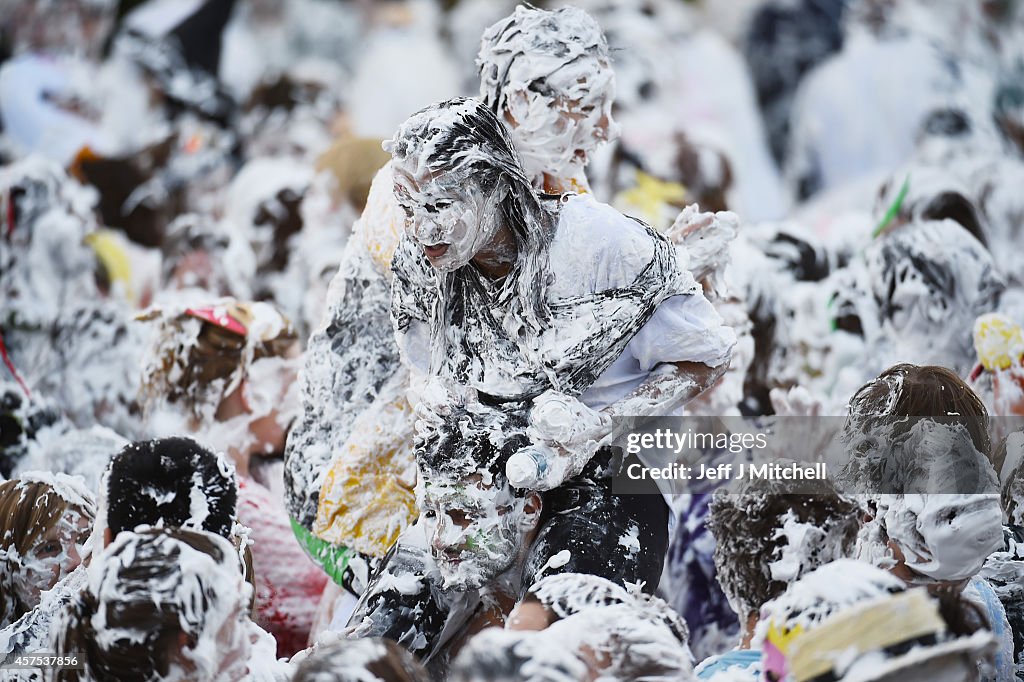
(696, 594)
(737, 659)
(980, 592)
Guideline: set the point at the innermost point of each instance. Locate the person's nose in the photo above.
(440, 539)
(450, 531)
(429, 230)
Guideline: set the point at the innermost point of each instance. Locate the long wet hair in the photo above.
(463, 138)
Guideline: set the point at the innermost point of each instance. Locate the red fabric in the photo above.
(225, 320)
(288, 583)
(10, 367)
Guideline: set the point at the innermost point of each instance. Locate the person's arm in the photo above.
(668, 387)
(566, 433)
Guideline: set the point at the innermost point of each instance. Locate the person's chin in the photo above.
(457, 576)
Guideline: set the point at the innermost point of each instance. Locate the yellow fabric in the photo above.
(651, 196)
(115, 260)
(865, 628)
(367, 497)
(998, 341)
(783, 638)
(380, 228)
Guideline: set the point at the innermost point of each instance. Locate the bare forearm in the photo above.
(669, 387)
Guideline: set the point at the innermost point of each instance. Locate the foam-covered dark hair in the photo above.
(465, 442)
(746, 525)
(563, 35)
(156, 600)
(153, 482)
(463, 140)
(20, 420)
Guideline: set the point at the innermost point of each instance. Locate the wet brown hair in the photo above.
(28, 511)
(746, 527)
(203, 371)
(927, 391)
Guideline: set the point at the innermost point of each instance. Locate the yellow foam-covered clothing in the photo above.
(998, 341)
(380, 227)
(367, 496)
(110, 250)
(653, 198)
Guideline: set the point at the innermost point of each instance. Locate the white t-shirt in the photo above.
(597, 248)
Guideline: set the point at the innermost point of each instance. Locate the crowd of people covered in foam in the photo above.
(320, 319)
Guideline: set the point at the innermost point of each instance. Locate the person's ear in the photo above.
(531, 511)
(243, 393)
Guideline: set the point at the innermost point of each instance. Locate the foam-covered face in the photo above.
(931, 279)
(223, 649)
(233, 645)
(451, 221)
(54, 556)
(943, 537)
(557, 121)
(476, 531)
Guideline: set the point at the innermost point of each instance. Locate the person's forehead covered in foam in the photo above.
(549, 75)
(452, 138)
(451, 164)
(932, 275)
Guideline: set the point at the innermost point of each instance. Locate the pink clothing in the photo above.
(288, 583)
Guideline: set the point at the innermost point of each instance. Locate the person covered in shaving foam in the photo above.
(848, 620)
(349, 483)
(561, 303)
(463, 564)
(45, 522)
(224, 372)
(919, 447)
(573, 626)
(164, 604)
(563, 308)
(548, 76)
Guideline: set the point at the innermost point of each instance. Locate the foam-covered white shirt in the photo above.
(597, 248)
